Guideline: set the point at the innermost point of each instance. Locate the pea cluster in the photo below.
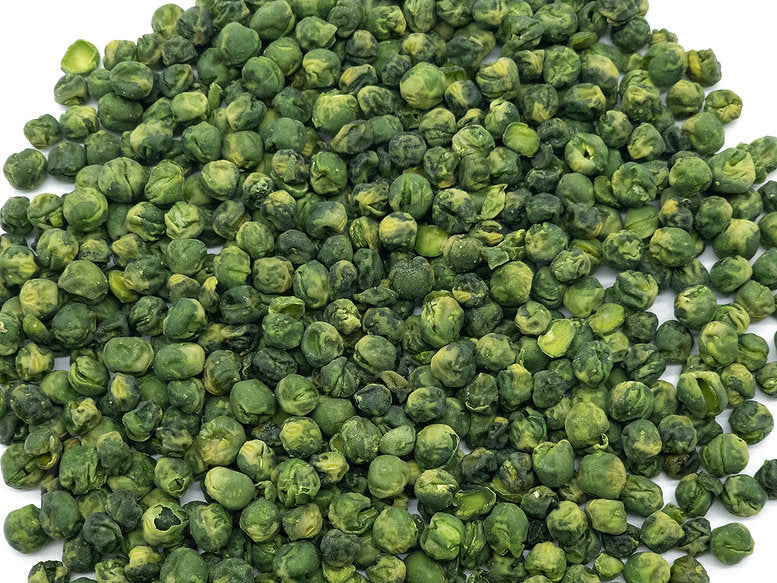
(335, 264)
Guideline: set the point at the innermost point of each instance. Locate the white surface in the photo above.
(36, 34)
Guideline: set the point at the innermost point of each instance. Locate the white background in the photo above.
(36, 34)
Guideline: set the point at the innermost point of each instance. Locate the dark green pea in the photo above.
(765, 477)
(731, 543)
(25, 170)
(23, 530)
(751, 421)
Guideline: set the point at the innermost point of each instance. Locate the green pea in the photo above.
(731, 543)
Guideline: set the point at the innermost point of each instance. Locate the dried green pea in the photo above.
(25, 170)
(731, 543)
(648, 566)
(751, 421)
(23, 530)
